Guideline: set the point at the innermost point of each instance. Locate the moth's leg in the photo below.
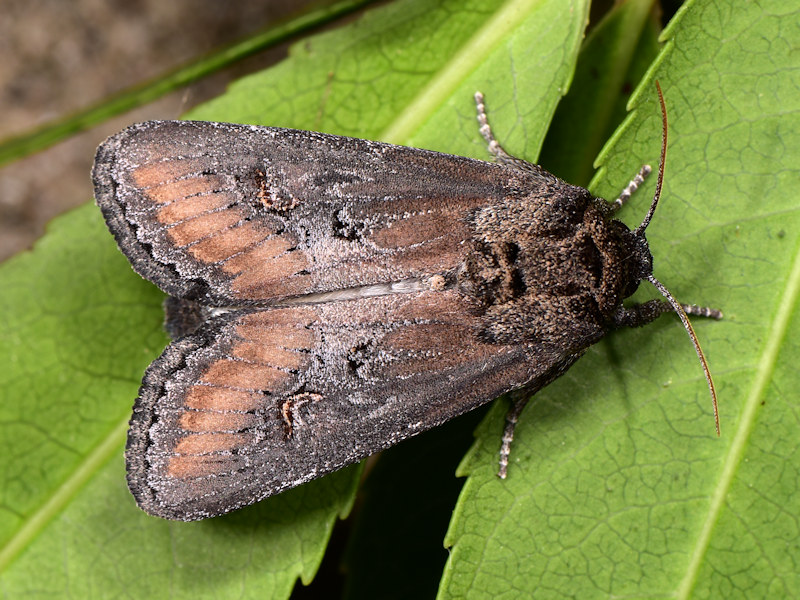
(495, 149)
(632, 186)
(520, 398)
(633, 316)
(647, 312)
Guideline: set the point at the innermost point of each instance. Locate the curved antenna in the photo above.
(688, 326)
(657, 195)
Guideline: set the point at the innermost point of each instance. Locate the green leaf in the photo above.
(79, 327)
(613, 58)
(618, 485)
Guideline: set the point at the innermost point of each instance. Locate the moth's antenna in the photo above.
(688, 326)
(658, 285)
(657, 195)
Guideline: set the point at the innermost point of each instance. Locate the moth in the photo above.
(330, 297)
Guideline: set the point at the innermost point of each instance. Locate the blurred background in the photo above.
(60, 57)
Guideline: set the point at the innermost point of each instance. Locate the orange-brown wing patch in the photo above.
(206, 443)
(421, 226)
(240, 374)
(281, 328)
(209, 224)
(273, 277)
(435, 346)
(160, 171)
(227, 243)
(186, 208)
(181, 189)
(270, 354)
(212, 421)
(204, 465)
(237, 394)
(212, 398)
(261, 253)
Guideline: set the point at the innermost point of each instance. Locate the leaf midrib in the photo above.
(61, 495)
(465, 61)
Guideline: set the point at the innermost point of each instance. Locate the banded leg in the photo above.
(632, 186)
(519, 401)
(647, 312)
(495, 149)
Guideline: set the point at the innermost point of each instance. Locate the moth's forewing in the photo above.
(231, 214)
(256, 402)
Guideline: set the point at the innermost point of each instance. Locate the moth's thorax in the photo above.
(566, 257)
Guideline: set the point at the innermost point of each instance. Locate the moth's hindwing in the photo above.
(258, 401)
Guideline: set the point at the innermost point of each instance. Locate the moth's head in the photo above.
(638, 260)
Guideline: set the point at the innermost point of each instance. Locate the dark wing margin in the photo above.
(236, 215)
(258, 401)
